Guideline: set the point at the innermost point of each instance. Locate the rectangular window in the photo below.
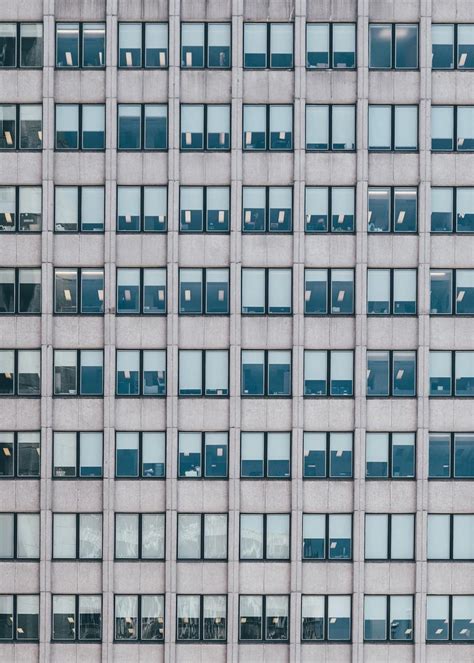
(328, 373)
(393, 128)
(450, 537)
(77, 618)
(449, 205)
(77, 455)
(393, 46)
(390, 456)
(20, 291)
(330, 128)
(392, 210)
(329, 209)
(20, 372)
(204, 291)
(142, 127)
(391, 373)
(21, 127)
(388, 618)
(389, 536)
(452, 292)
(80, 45)
(265, 455)
(19, 536)
(140, 455)
(143, 45)
(79, 209)
(452, 128)
(452, 46)
(268, 46)
(21, 45)
(327, 536)
(78, 372)
(329, 291)
(264, 536)
(391, 291)
(20, 209)
(142, 208)
(202, 536)
(80, 127)
(20, 454)
(139, 536)
(451, 455)
(19, 617)
(201, 618)
(267, 127)
(77, 536)
(266, 373)
(203, 455)
(139, 618)
(79, 291)
(330, 45)
(325, 618)
(264, 618)
(266, 291)
(204, 209)
(267, 209)
(451, 373)
(141, 291)
(203, 373)
(205, 127)
(141, 373)
(448, 618)
(205, 45)
(327, 455)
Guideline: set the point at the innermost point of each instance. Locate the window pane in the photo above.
(67, 127)
(64, 535)
(215, 536)
(218, 45)
(128, 208)
(379, 210)
(126, 536)
(281, 127)
(437, 617)
(315, 373)
(343, 45)
(215, 451)
(376, 455)
(253, 371)
(155, 208)
(442, 38)
(406, 46)
(464, 456)
(153, 536)
(343, 128)
(463, 537)
(191, 209)
(317, 45)
(156, 47)
(404, 291)
(464, 291)
(7, 127)
(93, 127)
(340, 536)
(217, 291)
(7, 204)
(405, 210)
(401, 618)
(255, 127)
(29, 372)
(30, 206)
(126, 617)
(375, 618)
(404, 374)
(465, 55)
(154, 373)
(90, 618)
(8, 45)
(189, 536)
(441, 291)
(254, 209)
(442, 128)
(279, 373)
(27, 619)
(128, 372)
(403, 455)
(380, 127)
(65, 450)
(279, 291)
(153, 617)
(442, 210)
(251, 536)
(188, 617)
(314, 454)
(255, 45)
(217, 373)
(190, 372)
(156, 127)
(464, 376)
(7, 290)
(189, 455)
(464, 210)
(154, 291)
(126, 463)
(93, 45)
(281, 45)
(339, 617)
(465, 128)
(316, 209)
(217, 209)
(192, 45)
(340, 457)
(278, 454)
(67, 45)
(377, 374)
(29, 295)
(312, 614)
(463, 614)
(153, 454)
(7, 536)
(380, 46)
(92, 291)
(439, 456)
(130, 44)
(402, 536)
(7, 372)
(64, 618)
(317, 127)
(314, 536)
(316, 291)
(440, 374)
(215, 618)
(7, 460)
(342, 291)
(31, 127)
(251, 611)
(406, 128)
(378, 291)
(129, 127)
(92, 372)
(276, 627)
(66, 208)
(278, 536)
(438, 536)
(253, 290)
(90, 536)
(192, 127)
(90, 454)
(342, 373)
(280, 209)
(252, 455)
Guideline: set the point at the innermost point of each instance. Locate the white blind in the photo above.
(255, 118)
(281, 118)
(216, 369)
(253, 288)
(30, 199)
(29, 361)
(126, 440)
(255, 38)
(67, 118)
(406, 126)
(218, 119)
(155, 201)
(343, 37)
(340, 526)
(281, 37)
(154, 360)
(128, 360)
(130, 35)
(377, 447)
(442, 119)
(440, 364)
(376, 532)
(91, 449)
(378, 285)
(189, 443)
(314, 526)
(315, 365)
(252, 446)
(128, 202)
(278, 446)
(279, 287)
(188, 606)
(316, 200)
(65, 449)
(92, 204)
(153, 607)
(191, 198)
(341, 365)
(437, 607)
(317, 124)
(379, 126)
(277, 606)
(317, 38)
(92, 358)
(93, 118)
(192, 119)
(190, 369)
(312, 606)
(442, 35)
(218, 34)
(192, 34)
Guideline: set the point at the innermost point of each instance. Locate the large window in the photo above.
(204, 291)
(327, 455)
(393, 46)
(205, 127)
(268, 127)
(203, 455)
(388, 618)
(77, 536)
(451, 373)
(139, 536)
(20, 454)
(452, 46)
(329, 291)
(20, 209)
(393, 128)
(142, 209)
(390, 456)
(449, 618)
(266, 373)
(19, 536)
(452, 291)
(143, 45)
(330, 45)
(21, 127)
(330, 128)
(142, 127)
(327, 536)
(450, 537)
(203, 373)
(392, 209)
(80, 126)
(77, 455)
(141, 291)
(452, 210)
(266, 291)
(205, 45)
(268, 45)
(389, 536)
(329, 373)
(202, 536)
(77, 618)
(265, 455)
(391, 291)
(329, 209)
(267, 209)
(19, 617)
(141, 373)
(265, 536)
(201, 618)
(451, 455)
(79, 291)
(79, 209)
(325, 618)
(140, 455)
(20, 372)
(391, 373)
(21, 45)
(20, 291)
(139, 618)
(452, 128)
(78, 372)
(80, 45)
(204, 209)
(264, 618)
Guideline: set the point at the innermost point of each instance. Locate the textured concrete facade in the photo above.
(236, 250)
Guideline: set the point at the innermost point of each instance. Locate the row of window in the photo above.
(266, 45)
(264, 291)
(263, 373)
(265, 127)
(261, 618)
(263, 455)
(263, 536)
(264, 209)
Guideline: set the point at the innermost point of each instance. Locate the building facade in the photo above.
(237, 343)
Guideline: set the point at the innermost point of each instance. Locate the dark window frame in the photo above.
(391, 302)
(329, 292)
(390, 476)
(202, 536)
(16, 296)
(142, 65)
(203, 476)
(15, 446)
(327, 476)
(268, 147)
(455, 66)
(325, 639)
(268, 189)
(387, 638)
(330, 25)
(329, 229)
(265, 476)
(328, 393)
(452, 393)
(327, 543)
(142, 293)
(451, 557)
(268, 53)
(77, 476)
(79, 271)
(393, 45)
(452, 457)
(201, 638)
(140, 475)
(18, 64)
(204, 291)
(205, 133)
(142, 147)
(393, 148)
(141, 373)
(266, 293)
(139, 639)
(205, 47)
(203, 373)
(264, 558)
(265, 374)
(80, 137)
(80, 49)
(389, 558)
(14, 558)
(78, 369)
(330, 148)
(77, 557)
(453, 313)
(79, 210)
(77, 620)
(15, 639)
(16, 374)
(263, 618)
(17, 142)
(139, 557)
(391, 374)
(204, 211)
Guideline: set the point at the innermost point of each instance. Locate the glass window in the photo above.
(7, 372)
(218, 45)
(7, 207)
(188, 611)
(377, 373)
(31, 127)
(255, 45)
(214, 618)
(93, 45)
(7, 127)
(401, 618)
(67, 44)
(441, 291)
(90, 618)
(463, 455)
(317, 209)
(317, 45)
(254, 209)
(343, 128)
(153, 536)
(130, 44)
(406, 46)
(189, 536)
(255, 127)
(442, 128)
(129, 127)
(465, 54)
(268, 45)
(343, 45)
(341, 372)
(253, 372)
(465, 128)
(156, 127)
(251, 616)
(216, 369)
(29, 372)
(67, 127)
(281, 45)
(439, 456)
(192, 127)
(192, 45)
(340, 536)
(380, 46)
(202, 455)
(442, 205)
(279, 373)
(442, 40)
(375, 617)
(317, 127)
(27, 617)
(280, 203)
(406, 128)
(379, 210)
(440, 374)
(93, 127)
(281, 127)
(462, 616)
(278, 455)
(8, 35)
(464, 291)
(191, 209)
(464, 210)
(315, 373)
(464, 374)
(276, 618)
(437, 617)
(379, 127)
(314, 536)
(126, 536)
(438, 537)
(217, 209)
(215, 455)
